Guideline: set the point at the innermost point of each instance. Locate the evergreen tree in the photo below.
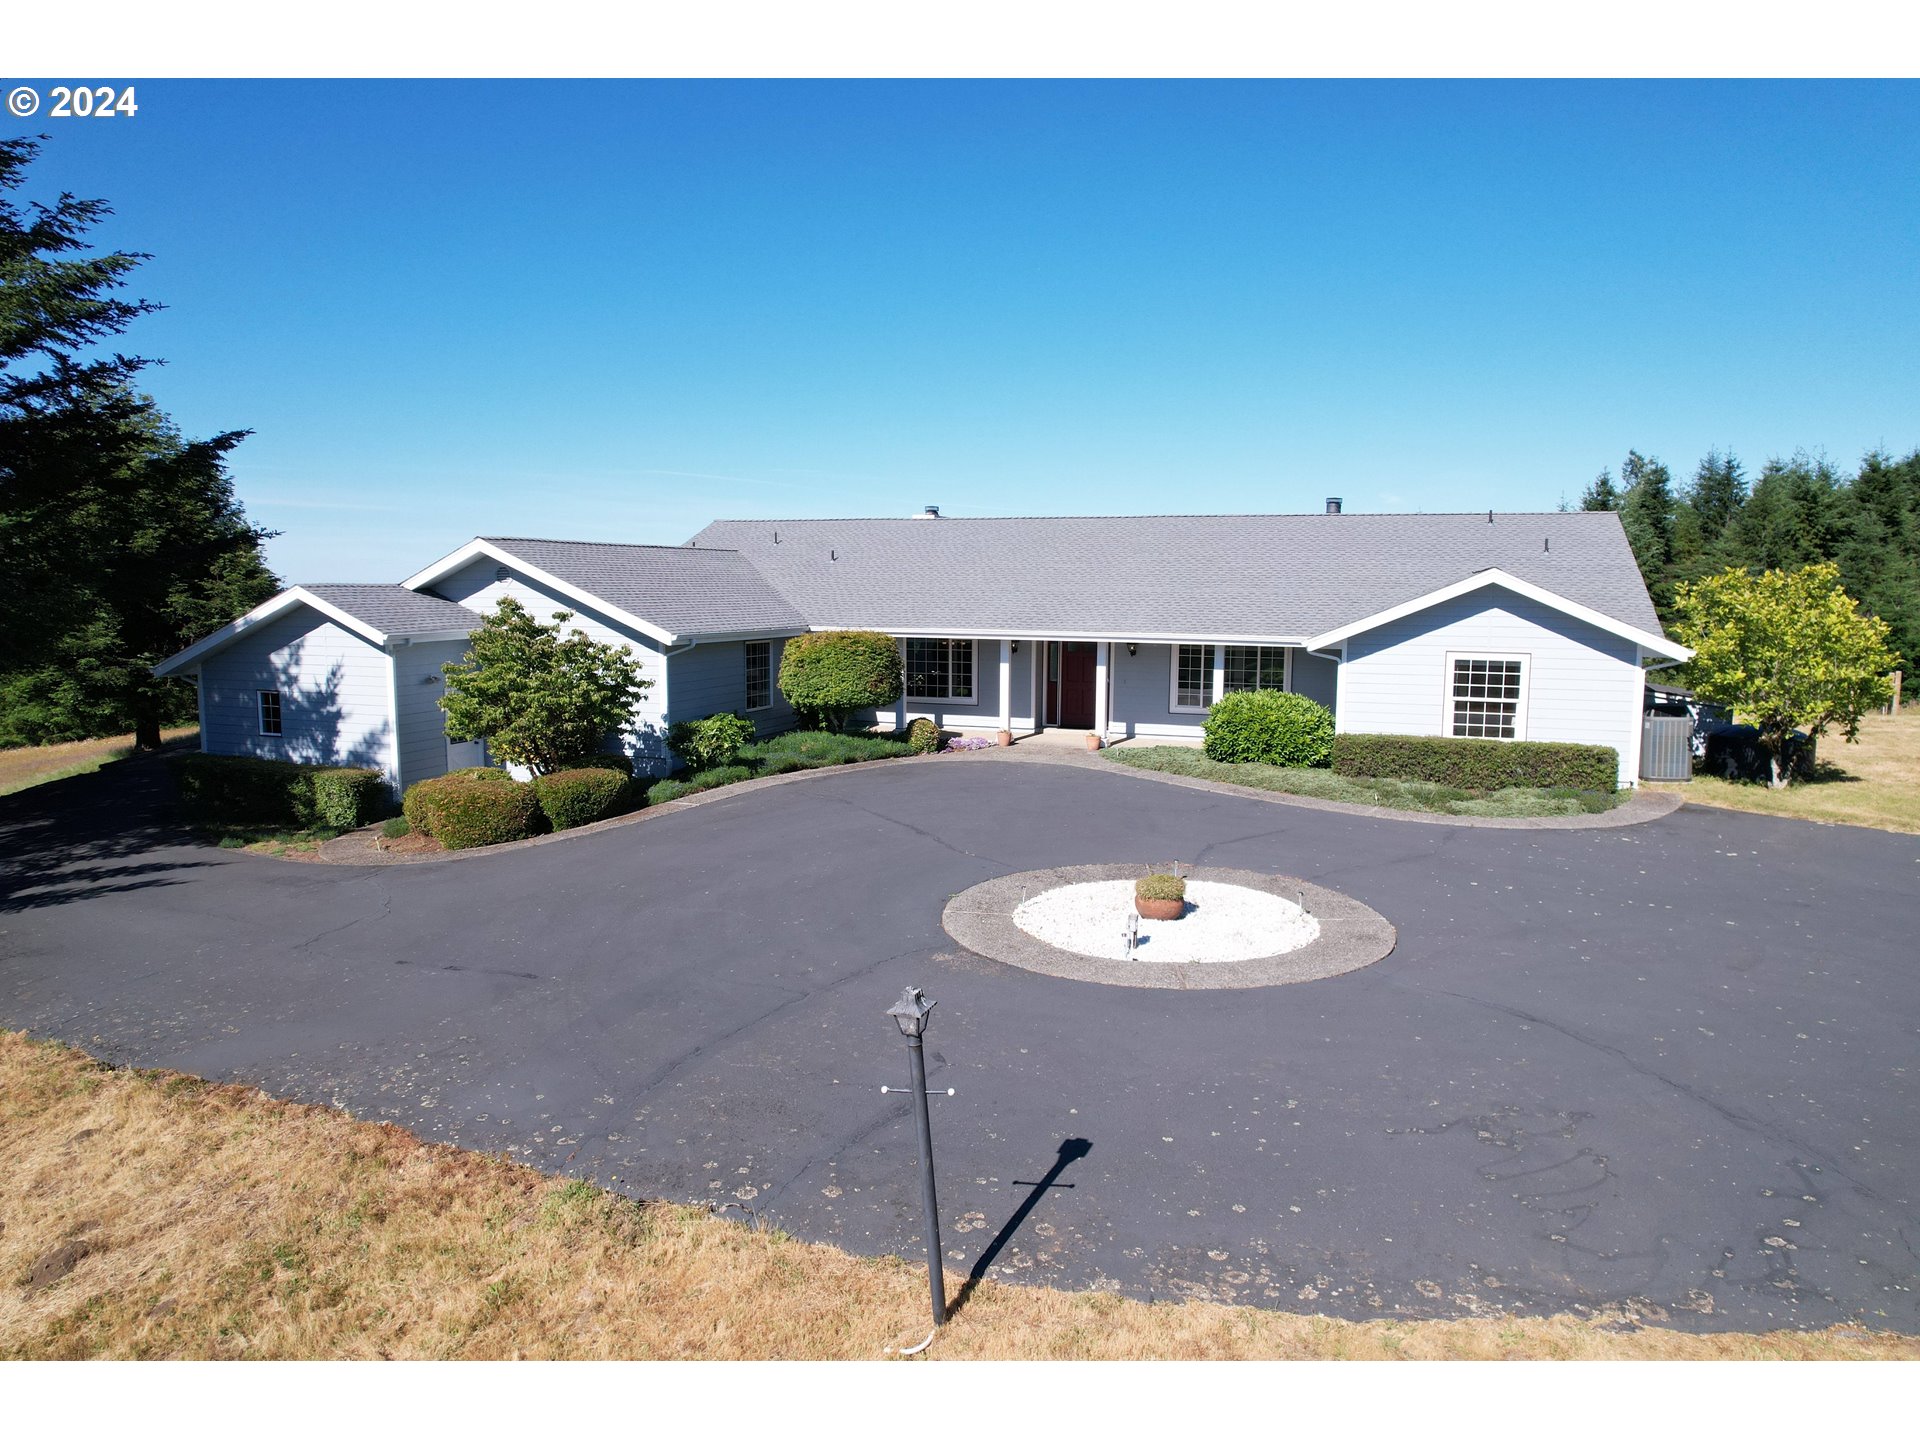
(121, 539)
(1718, 491)
(1600, 495)
(1647, 512)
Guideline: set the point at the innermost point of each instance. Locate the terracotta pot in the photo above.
(1006, 737)
(1093, 741)
(1159, 909)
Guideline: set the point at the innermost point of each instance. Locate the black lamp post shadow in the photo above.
(910, 1014)
(1071, 1149)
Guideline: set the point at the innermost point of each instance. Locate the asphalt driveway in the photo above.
(1667, 1067)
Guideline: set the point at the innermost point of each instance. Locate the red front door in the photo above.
(1076, 685)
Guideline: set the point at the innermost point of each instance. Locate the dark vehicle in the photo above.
(1734, 752)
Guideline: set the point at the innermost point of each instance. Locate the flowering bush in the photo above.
(971, 742)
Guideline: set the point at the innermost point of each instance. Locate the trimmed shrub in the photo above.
(1160, 887)
(923, 736)
(344, 798)
(664, 790)
(710, 743)
(1478, 764)
(1268, 727)
(608, 761)
(467, 811)
(580, 797)
(832, 673)
(417, 804)
(813, 748)
(397, 828)
(243, 788)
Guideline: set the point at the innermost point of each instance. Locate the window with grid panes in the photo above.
(1486, 699)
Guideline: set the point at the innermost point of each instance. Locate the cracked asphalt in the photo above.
(1663, 1071)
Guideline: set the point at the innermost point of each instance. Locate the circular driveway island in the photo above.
(1663, 1070)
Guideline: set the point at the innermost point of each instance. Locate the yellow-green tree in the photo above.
(1787, 649)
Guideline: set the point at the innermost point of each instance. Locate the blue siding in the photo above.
(336, 695)
(477, 587)
(712, 679)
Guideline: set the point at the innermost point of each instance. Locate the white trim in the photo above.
(1174, 707)
(1102, 679)
(1659, 644)
(260, 614)
(973, 643)
(1525, 658)
(1006, 685)
(476, 548)
(200, 699)
(279, 713)
(1117, 637)
(756, 709)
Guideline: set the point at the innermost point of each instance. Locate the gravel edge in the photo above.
(1352, 935)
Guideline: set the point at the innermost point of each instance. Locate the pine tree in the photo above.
(1647, 510)
(1600, 495)
(121, 540)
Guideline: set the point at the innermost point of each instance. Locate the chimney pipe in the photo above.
(932, 512)
(1333, 504)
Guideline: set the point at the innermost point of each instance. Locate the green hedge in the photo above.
(710, 742)
(1477, 764)
(664, 790)
(1268, 727)
(923, 736)
(831, 673)
(579, 797)
(610, 761)
(417, 803)
(243, 788)
(467, 811)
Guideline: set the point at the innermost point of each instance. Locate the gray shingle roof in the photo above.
(1199, 575)
(395, 610)
(683, 591)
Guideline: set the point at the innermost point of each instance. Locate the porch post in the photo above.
(1219, 672)
(900, 705)
(1035, 649)
(1006, 684)
(1100, 650)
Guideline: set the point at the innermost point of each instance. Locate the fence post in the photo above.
(1893, 705)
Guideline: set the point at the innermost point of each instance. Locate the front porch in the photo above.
(1118, 689)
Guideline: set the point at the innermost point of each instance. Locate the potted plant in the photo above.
(1093, 741)
(1160, 897)
(1006, 737)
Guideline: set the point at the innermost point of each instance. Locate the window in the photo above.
(1192, 677)
(759, 674)
(1487, 697)
(940, 670)
(269, 712)
(1256, 667)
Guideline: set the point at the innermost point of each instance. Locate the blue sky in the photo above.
(618, 310)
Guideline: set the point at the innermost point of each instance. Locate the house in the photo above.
(1507, 626)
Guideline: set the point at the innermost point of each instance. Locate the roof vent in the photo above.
(1333, 504)
(502, 574)
(932, 512)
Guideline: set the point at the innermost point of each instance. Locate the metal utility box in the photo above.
(1666, 747)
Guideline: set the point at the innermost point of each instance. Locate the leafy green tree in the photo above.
(539, 696)
(830, 674)
(1788, 650)
(121, 540)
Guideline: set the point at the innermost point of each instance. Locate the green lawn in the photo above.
(1392, 794)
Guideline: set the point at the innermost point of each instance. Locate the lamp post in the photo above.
(911, 1016)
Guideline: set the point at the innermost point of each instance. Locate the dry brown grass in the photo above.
(1874, 783)
(224, 1223)
(36, 764)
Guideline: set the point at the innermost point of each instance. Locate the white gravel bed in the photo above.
(1223, 922)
